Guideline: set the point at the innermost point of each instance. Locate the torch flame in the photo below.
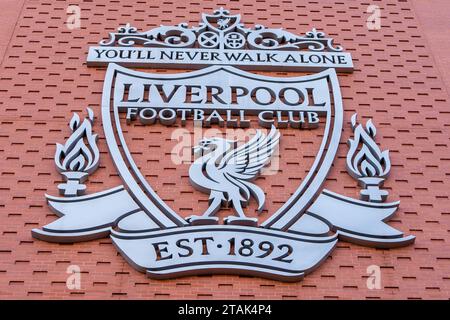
(80, 152)
(369, 161)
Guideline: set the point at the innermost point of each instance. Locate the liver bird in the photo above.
(225, 171)
(223, 23)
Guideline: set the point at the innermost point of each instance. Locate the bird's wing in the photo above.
(246, 161)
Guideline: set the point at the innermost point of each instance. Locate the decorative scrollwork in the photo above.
(164, 36)
(224, 31)
(278, 39)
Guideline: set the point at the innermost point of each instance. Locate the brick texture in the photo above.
(44, 78)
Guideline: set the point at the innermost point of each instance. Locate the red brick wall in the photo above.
(398, 81)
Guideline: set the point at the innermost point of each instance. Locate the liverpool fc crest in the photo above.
(236, 226)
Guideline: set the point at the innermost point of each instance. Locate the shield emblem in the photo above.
(125, 89)
(119, 80)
